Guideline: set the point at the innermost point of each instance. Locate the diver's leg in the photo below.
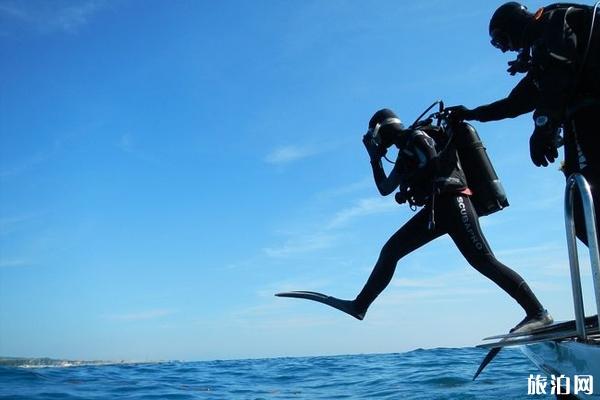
(463, 226)
(578, 213)
(581, 140)
(412, 235)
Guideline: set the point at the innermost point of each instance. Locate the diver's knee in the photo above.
(480, 261)
(388, 254)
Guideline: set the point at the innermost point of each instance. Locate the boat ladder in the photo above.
(576, 182)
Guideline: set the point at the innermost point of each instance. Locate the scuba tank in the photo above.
(488, 194)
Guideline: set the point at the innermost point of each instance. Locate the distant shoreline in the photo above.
(41, 362)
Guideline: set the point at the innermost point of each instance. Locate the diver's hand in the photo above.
(516, 67)
(400, 197)
(521, 64)
(375, 152)
(542, 147)
(459, 113)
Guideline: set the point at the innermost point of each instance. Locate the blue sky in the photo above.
(165, 167)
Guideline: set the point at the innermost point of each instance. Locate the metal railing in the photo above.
(577, 181)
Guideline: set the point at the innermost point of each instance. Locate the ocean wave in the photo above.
(421, 374)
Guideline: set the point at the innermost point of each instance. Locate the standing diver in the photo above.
(559, 50)
(428, 173)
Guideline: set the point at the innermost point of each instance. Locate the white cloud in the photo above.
(324, 238)
(364, 207)
(302, 244)
(287, 154)
(75, 15)
(50, 17)
(441, 295)
(126, 143)
(11, 224)
(13, 263)
(542, 249)
(364, 184)
(419, 283)
(13, 10)
(23, 166)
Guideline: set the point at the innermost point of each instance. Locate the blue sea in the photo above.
(442, 373)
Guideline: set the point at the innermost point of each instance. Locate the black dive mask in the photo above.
(501, 40)
(375, 132)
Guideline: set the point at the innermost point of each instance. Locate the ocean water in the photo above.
(421, 374)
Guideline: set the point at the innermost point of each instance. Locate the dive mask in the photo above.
(375, 132)
(501, 40)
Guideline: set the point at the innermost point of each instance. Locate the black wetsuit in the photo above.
(421, 170)
(563, 83)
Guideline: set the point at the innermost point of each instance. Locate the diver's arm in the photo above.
(417, 162)
(521, 100)
(386, 184)
(424, 156)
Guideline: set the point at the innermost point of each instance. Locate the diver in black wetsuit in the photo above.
(559, 50)
(429, 177)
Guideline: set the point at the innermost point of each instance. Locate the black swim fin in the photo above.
(520, 326)
(591, 323)
(346, 306)
(488, 359)
(548, 332)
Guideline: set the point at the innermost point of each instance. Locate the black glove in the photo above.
(375, 152)
(542, 146)
(521, 64)
(400, 197)
(459, 113)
